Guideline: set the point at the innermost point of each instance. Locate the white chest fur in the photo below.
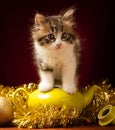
(56, 58)
(63, 62)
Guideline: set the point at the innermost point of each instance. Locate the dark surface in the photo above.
(95, 29)
(74, 128)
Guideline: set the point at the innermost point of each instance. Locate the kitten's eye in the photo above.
(64, 36)
(51, 37)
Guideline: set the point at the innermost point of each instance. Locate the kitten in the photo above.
(56, 50)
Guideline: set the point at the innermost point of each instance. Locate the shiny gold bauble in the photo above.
(6, 111)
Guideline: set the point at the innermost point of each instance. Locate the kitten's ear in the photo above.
(39, 19)
(68, 16)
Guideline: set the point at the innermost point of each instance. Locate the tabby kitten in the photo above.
(56, 50)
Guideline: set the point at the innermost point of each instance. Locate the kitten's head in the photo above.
(54, 31)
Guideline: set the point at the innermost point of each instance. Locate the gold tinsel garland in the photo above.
(55, 116)
(103, 97)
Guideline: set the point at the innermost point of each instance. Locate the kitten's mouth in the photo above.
(58, 47)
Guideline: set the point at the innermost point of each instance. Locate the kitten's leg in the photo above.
(68, 78)
(47, 81)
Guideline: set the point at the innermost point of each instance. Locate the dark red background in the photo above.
(95, 29)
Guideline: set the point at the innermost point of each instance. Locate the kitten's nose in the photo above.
(58, 45)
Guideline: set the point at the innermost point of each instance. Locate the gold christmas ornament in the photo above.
(6, 111)
(103, 97)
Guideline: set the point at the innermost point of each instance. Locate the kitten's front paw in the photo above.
(44, 87)
(70, 89)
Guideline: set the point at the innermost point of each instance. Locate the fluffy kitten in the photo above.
(56, 50)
